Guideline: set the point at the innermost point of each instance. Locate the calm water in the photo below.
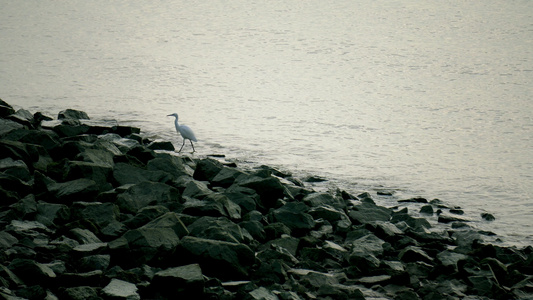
(428, 99)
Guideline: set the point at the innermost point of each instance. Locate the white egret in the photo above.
(185, 132)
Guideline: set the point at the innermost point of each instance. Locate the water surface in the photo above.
(427, 99)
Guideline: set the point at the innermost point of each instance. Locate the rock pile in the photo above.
(88, 211)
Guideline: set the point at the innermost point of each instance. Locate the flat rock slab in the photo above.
(119, 289)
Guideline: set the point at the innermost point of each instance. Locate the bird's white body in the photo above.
(185, 132)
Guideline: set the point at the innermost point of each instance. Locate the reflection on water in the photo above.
(430, 99)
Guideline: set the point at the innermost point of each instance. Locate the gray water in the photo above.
(425, 98)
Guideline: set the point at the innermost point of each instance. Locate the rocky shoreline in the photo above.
(94, 211)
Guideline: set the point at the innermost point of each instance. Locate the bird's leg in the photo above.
(182, 145)
(192, 146)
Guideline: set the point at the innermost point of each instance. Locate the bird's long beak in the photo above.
(169, 115)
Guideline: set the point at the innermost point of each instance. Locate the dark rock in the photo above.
(449, 259)
(80, 293)
(143, 245)
(414, 200)
(66, 192)
(32, 272)
(15, 168)
(221, 259)
(170, 164)
(72, 114)
(427, 209)
(414, 254)
(321, 199)
(124, 174)
(119, 289)
(183, 281)
(226, 177)
(418, 224)
(94, 262)
(7, 240)
(92, 278)
(161, 145)
(145, 194)
(207, 169)
(99, 173)
(220, 229)
(196, 189)
(443, 218)
(52, 214)
(367, 213)
(293, 214)
(145, 215)
(269, 189)
(100, 214)
(247, 199)
(487, 217)
(84, 236)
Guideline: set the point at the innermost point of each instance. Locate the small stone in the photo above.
(487, 217)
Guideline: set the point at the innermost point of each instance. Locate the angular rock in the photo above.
(72, 114)
(183, 281)
(100, 214)
(52, 214)
(32, 272)
(119, 289)
(221, 259)
(99, 173)
(220, 229)
(124, 173)
(367, 213)
(414, 254)
(207, 169)
(226, 177)
(170, 164)
(269, 189)
(324, 199)
(79, 293)
(145, 194)
(295, 216)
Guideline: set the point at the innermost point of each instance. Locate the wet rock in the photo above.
(221, 259)
(367, 212)
(207, 169)
(119, 289)
(487, 217)
(161, 145)
(182, 281)
(72, 114)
